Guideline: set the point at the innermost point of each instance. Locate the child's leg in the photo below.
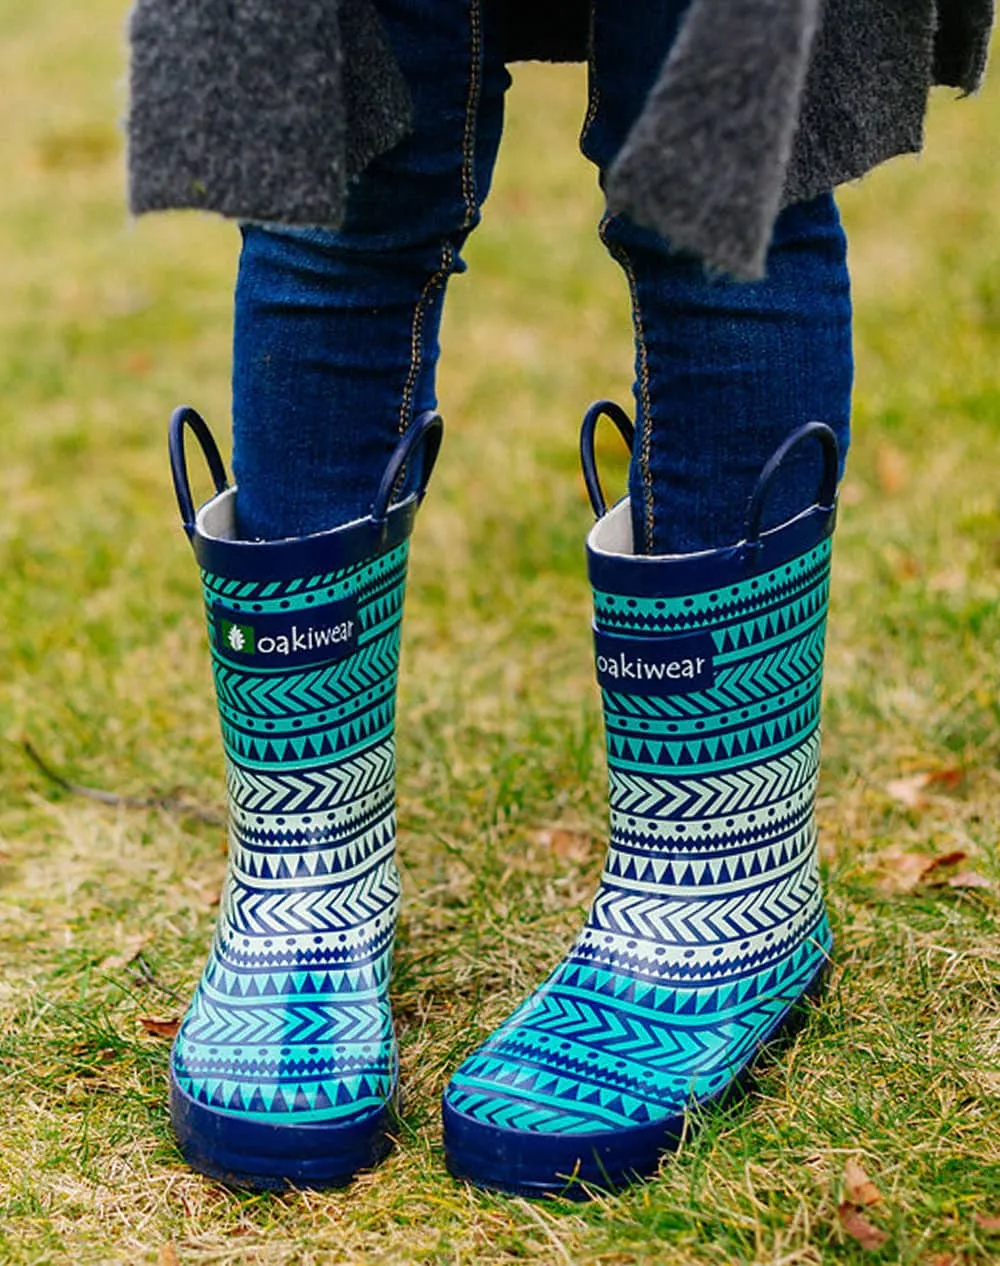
(708, 926)
(336, 333)
(724, 370)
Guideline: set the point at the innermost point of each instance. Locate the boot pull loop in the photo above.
(423, 434)
(588, 457)
(825, 496)
(183, 417)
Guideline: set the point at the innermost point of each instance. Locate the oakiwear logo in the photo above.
(654, 665)
(303, 637)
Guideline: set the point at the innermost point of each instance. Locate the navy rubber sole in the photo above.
(576, 1166)
(526, 1163)
(267, 1157)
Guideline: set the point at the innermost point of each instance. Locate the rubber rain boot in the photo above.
(709, 927)
(284, 1070)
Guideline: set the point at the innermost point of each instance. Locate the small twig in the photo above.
(149, 977)
(170, 803)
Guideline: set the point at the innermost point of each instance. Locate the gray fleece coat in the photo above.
(263, 110)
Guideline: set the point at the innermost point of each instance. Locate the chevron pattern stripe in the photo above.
(290, 1024)
(709, 922)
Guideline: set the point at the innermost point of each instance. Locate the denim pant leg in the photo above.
(336, 332)
(724, 370)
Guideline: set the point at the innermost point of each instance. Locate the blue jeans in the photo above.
(336, 333)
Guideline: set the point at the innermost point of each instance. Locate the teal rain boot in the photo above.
(709, 926)
(284, 1070)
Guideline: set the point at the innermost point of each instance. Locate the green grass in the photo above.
(104, 325)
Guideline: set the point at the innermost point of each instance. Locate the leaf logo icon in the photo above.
(232, 636)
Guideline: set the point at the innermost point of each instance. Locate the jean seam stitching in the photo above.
(645, 399)
(471, 111)
(436, 279)
(594, 93)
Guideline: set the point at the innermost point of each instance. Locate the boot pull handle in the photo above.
(186, 417)
(588, 458)
(426, 431)
(424, 435)
(827, 492)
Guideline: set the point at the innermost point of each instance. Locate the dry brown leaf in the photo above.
(943, 860)
(130, 951)
(858, 1227)
(969, 879)
(944, 1259)
(901, 871)
(908, 790)
(167, 1256)
(949, 778)
(572, 845)
(988, 1221)
(890, 469)
(904, 872)
(160, 1028)
(859, 1187)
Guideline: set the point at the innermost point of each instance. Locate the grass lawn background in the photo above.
(106, 910)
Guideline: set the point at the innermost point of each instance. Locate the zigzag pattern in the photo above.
(712, 838)
(293, 694)
(317, 789)
(339, 824)
(761, 786)
(676, 965)
(690, 921)
(709, 920)
(291, 1020)
(314, 908)
(293, 1023)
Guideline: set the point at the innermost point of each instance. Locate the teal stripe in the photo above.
(336, 731)
(743, 653)
(566, 1107)
(758, 591)
(312, 762)
(339, 716)
(695, 768)
(657, 731)
(272, 594)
